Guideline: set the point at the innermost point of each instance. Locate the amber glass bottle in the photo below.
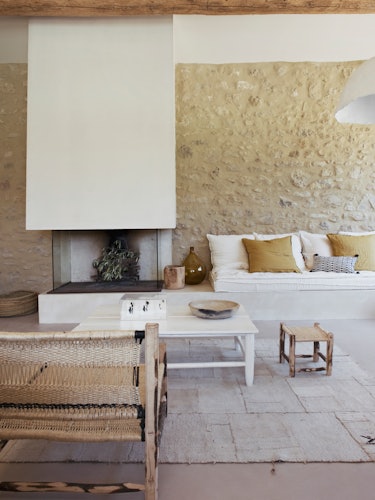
(195, 269)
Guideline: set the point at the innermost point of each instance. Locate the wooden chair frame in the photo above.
(74, 411)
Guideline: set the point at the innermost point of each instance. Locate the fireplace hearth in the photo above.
(143, 286)
(75, 251)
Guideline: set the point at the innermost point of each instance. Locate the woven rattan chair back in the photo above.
(88, 387)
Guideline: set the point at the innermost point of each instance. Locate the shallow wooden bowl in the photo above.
(213, 309)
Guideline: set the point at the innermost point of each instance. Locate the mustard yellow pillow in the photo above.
(363, 246)
(271, 256)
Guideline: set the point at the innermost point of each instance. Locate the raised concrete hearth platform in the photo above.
(293, 305)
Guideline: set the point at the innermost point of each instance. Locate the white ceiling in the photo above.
(293, 38)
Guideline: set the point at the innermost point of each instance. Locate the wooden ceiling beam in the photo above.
(106, 8)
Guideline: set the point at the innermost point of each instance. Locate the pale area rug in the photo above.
(214, 417)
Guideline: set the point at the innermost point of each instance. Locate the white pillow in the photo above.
(296, 246)
(313, 243)
(228, 251)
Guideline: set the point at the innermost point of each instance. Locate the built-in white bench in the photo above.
(260, 305)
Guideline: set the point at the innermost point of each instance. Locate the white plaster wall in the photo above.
(269, 38)
(100, 135)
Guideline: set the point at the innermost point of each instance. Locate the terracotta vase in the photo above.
(195, 269)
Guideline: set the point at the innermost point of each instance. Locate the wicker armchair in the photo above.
(88, 387)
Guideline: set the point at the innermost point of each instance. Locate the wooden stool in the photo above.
(313, 334)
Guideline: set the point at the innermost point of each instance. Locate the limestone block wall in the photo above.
(25, 256)
(258, 149)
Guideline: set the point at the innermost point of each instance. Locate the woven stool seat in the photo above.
(314, 334)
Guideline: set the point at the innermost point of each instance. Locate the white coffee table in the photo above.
(180, 323)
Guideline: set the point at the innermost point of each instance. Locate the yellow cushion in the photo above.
(271, 256)
(363, 246)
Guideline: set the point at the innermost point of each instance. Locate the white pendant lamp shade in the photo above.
(357, 103)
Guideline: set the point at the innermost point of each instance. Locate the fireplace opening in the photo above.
(76, 252)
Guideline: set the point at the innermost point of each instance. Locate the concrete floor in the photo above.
(227, 481)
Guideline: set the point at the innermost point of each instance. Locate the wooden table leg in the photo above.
(329, 354)
(292, 355)
(282, 344)
(316, 352)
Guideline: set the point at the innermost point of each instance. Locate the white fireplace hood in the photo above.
(100, 132)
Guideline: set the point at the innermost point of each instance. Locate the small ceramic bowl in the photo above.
(213, 309)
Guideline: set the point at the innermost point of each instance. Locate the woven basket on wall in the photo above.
(18, 303)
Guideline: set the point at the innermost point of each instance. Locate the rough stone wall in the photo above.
(25, 256)
(258, 149)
